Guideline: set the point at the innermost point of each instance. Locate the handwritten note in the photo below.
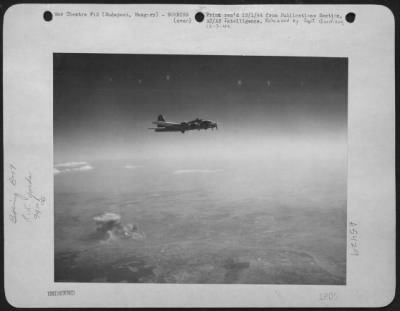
(25, 203)
(353, 231)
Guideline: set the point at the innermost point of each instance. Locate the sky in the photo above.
(105, 103)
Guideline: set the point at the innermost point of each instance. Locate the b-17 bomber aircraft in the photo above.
(196, 124)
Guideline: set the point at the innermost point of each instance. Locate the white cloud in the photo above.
(70, 164)
(130, 167)
(193, 171)
(107, 217)
(83, 168)
(71, 167)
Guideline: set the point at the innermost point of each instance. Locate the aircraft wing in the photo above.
(169, 129)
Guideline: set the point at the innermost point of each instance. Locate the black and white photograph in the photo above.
(199, 155)
(200, 169)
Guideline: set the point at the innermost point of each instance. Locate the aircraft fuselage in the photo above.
(196, 124)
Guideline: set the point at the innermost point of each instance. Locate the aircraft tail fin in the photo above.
(160, 118)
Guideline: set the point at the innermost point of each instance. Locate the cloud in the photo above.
(199, 171)
(130, 167)
(70, 164)
(71, 167)
(84, 168)
(111, 227)
(108, 218)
